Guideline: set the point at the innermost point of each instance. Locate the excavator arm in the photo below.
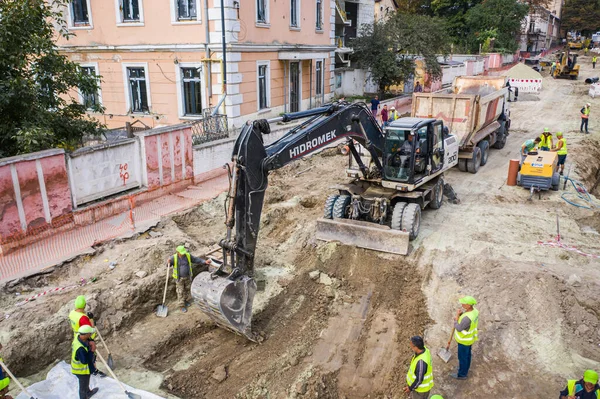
(227, 293)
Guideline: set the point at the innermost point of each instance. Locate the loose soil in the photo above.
(539, 304)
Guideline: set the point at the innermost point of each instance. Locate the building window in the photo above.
(319, 79)
(138, 94)
(91, 100)
(130, 10)
(319, 14)
(338, 80)
(186, 10)
(79, 13)
(264, 87)
(261, 11)
(294, 13)
(192, 91)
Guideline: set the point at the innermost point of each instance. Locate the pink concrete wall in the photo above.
(167, 154)
(469, 65)
(30, 194)
(57, 186)
(9, 215)
(152, 161)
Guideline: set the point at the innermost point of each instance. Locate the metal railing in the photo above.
(340, 9)
(210, 128)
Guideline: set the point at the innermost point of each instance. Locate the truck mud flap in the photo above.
(363, 235)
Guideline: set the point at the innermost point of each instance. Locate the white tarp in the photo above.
(594, 90)
(61, 384)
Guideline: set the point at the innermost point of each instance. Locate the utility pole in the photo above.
(224, 90)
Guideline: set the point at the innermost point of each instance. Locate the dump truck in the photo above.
(475, 109)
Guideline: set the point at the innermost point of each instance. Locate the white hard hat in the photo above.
(393, 108)
(589, 105)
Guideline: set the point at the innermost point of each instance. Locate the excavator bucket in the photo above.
(228, 303)
(364, 235)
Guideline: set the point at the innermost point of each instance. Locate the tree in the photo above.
(36, 109)
(581, 15)
(389, 49)
(500, 20)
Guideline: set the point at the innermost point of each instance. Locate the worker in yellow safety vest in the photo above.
(546, 140)
(585, 388)
(552, 68)
(82, 361)
(585, 117)
(183, 274)
(419, 379)
(4, 381)
(594, 59)
(79, 318)
(561, 151)
(465, 334)
(393, 115)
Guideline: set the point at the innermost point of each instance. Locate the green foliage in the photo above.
(389, 49)
(580, 15)
(36, 111)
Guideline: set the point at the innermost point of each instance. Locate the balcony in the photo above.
(340, 15)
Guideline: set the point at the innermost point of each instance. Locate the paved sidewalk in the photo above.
(61, 247)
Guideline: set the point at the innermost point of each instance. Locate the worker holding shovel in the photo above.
(465, 334)
(183, 274)
(4, 381)
(82, 361)
(78, 318)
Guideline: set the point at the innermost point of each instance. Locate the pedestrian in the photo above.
(82, 361)
(585, 388)
(561, 151)
(585, 116)
(594, 59)
(419, 379)
(384, 115)
(546, 140)
(393, 115)
(375, 106)
(465, 334)
(528, 146)
(418, 88)
(4, 381)
(183, 274)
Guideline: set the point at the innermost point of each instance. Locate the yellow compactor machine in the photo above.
(539, 172)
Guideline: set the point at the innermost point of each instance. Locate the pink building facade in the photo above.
(161, 62)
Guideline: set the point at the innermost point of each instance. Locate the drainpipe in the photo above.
(224, 65)
(208, 69)
(285, 63)
(310, 85)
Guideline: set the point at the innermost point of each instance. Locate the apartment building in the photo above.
(161, 61)
(541, 27)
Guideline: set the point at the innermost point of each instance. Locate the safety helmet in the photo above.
(86, 330)
(590, 376)
(546, 130)
(436, 397)
(80, 302)
(559, 134)
(468, 300)
(181, 249)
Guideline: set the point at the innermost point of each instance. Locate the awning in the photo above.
(297, 55)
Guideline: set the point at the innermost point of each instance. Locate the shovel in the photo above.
(12, 377)
(163, 310)
(110, 361)
(130, 395)
(445, 353)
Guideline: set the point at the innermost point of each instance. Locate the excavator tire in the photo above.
(437, 195)
(397, 215)
(340, 207)
(462, 164)
(328, 208)
(474, 163)
(485, 151)
(411, 220)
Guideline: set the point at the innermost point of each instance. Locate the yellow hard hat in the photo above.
(181, 249)
(468, 300)
(590, 376)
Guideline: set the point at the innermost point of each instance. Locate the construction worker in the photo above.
(594, 59)
(585, 115)
(82, 361)
(552, 68)
(183, 274)
(419, 379)
(465, 334)
(528, 146)
(546, 140)
(561, 151)
(393, 115)
(585, 388)
(4, 381)
(79, 318)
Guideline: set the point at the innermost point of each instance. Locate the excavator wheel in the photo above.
(340, 207)
(437, 195)
(462, 164)
(474, 163)
(485, 151)
(328, 208)
(397, 215)
(411, 220)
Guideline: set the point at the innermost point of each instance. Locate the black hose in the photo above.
(591, 80)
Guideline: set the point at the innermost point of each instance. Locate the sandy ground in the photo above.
(539, 305)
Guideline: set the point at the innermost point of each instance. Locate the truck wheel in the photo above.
(328, 208)
(340, 207)
(485, 151)
(411, 220)
(437, 195)
(462, 164)
(397, 215)
(501, 136)
(474, 163)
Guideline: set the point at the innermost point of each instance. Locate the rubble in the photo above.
(325, 279)
(314, 275)
(219, 374)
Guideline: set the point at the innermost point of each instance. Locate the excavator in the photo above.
(566, 66)
(396, 173)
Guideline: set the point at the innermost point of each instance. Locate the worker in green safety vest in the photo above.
(82, 361)
(585, 388)
(561, 151)
(4, 381)
(546, 140)
(419, 379)
(183, 274)
(465, 334)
